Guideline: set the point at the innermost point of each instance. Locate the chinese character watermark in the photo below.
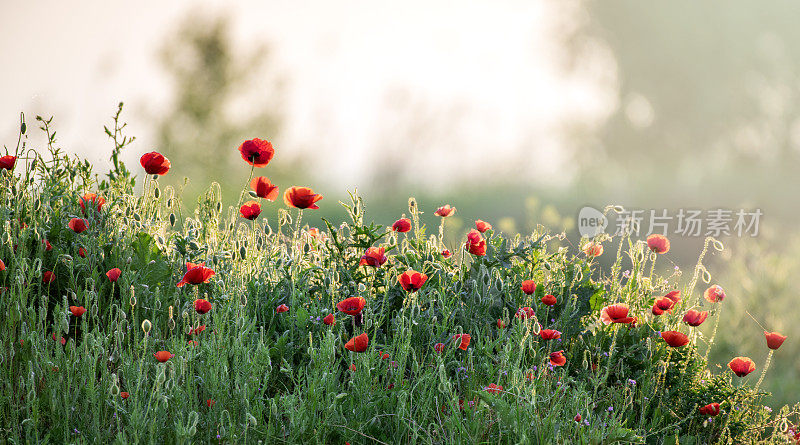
(682, 222)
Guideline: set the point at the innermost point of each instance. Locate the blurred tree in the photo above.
(221, 98)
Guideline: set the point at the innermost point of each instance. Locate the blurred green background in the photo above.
(674, 105)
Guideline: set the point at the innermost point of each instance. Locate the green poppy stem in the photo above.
(766, 366)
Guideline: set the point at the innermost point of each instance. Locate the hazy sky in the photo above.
(495, 64)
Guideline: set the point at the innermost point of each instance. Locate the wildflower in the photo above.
(662, 305)
(616, 313)
(412, 280)
(352, 367)
(193, 343)
(358, 343)
(250, 210)
(7, 162)
(549, 300)
(529, 287)
(82, 252)
(675, 339)
(155, 163)
(113, 274)
(402, 225)
(658, 243)
(557, 358)
(202, 306)
(48, 277)
(446, 253)
(577, 418)
(197, 331)
(549, 334)
(281, 308)
(196, 274)
(482, 226)
(210, 403)
(593, 249)
(257, 152)
(500, 323)
(78, 225)
(63, 340)
(741, 366)
(632, 382)
(352, 305)
(675, 296)
(714, 294)
(525, 312)
(445, 211)
(695, 318)
(77, 311)
(329, 320)
(47, 246)
(93, 199)
(264, 188)
(438, 347)
(2, 266)
(463, 340)
(163, 356)
(124, 395)
(611, 409)
(493, 389)
(301, 198)
(712, 409)
(476, 245)
(774, 339)
(374, 256)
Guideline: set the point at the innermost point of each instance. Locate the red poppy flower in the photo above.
(358, 343)
(412, 280)
(124, 395)
(695, 318)
(113, 274)
(264, 188)
(301, 198)
(82, 252)
(7, 162)
(329, 320)
(549, 334)
(741, 366)
(78, 225)
(493, 389)
(482, 226)
(197, 330)
(402, 225)
(257, 152)
(196, 274)
(155, 163)
(2, 266)
(675, 339)
(525, 312)
(557, 358)
(500, 323)
(438, 347)
(476, 245)
(374, 257)
(92, 198)
(658, 243)
(250, 210)
(444, 211)
(616, 313)
(712, 409)
(163, 356)
(352, 305)
(675, 296)
(662, 305)
(47, 246)
(202, 306)
(714, 294)
(463, 340)
(77, 311)
(549, 300)
(577, 418)
(774, 339)
(529, 287)
(446, 254)
(48, 277)
(593, 249)
(63, 340)
(352, 367)
(281, 308)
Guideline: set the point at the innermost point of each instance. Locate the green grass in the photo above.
(286, 377)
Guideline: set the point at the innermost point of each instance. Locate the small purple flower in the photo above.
(605, 354)
(611, 409)
(586, 422)
(218, 436)
(632, 382)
